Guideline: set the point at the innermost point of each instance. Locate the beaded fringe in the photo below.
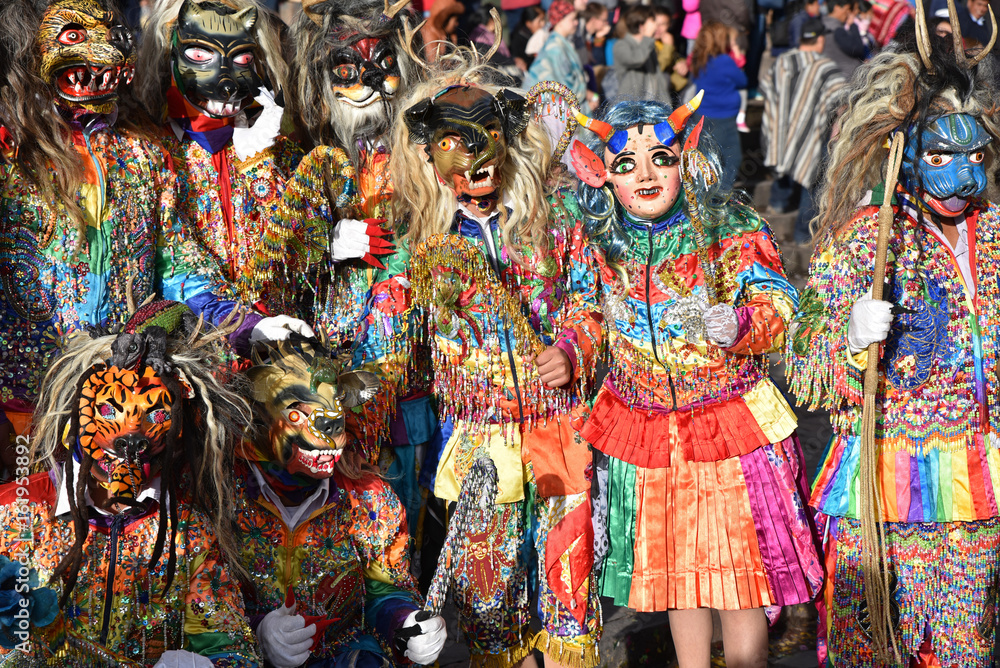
(568, 651)
(509, 658)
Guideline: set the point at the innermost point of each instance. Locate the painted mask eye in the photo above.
(623, 166)
(448, 144)
(345, 72)
(244, 59)
(199, 56)
(159, 416)
(663, 159)
(107, 411)
(495, 134)
(938, 159)
(388, 61)
(977, 157)
(296, 416)
(72, 34)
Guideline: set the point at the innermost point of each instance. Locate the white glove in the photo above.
(869, 323)
(278, 328)
(248, 142)
(284, 637)
(424, 647)
(350, 240)
(181, 658)
(721, 325)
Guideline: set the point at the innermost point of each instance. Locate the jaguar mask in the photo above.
(303, 398)
(86, 54)
(126, 413)
(214, 57)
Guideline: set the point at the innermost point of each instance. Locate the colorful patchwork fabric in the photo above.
(937, 402)
(55, 283)
(348, 562)
(704, 499)
(669, 389)
(122, 604)
(944, 584)
(226, 205)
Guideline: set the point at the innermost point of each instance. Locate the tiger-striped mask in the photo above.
(125, 417)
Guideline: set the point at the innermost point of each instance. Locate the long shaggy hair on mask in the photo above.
(426, 206)
(45, 154)
(196, 469)
(894, 91)
(325, 119)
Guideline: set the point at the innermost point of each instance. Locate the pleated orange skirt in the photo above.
(730, 534)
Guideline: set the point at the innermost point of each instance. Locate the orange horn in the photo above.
(683, 113)
(600, 128)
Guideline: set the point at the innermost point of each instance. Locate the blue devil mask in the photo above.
(950, 167)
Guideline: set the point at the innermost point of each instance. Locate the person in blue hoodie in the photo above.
(716, 73)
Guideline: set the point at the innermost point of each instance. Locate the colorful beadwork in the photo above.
(939, 460)
(946, 579)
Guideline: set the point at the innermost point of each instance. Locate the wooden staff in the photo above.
(873, 549)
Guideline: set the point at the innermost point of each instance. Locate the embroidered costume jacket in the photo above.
(937, 400)
(347, 561)
(118, 601)
(55, 282)
(668, 386)
(226, 205)
(485, 317)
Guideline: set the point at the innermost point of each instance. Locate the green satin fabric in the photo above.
(616, 576)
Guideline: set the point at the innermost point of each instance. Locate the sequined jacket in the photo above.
(937, 403)
(349, 561)
(670, 389)
(228, 226)
(54, 282)
(485, 317)
(119, 603)
(325, 188)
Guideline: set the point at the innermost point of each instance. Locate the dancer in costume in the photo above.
(323, 537)
(933, 463)
(702, 487)
(125, 533)
(495, 265)
(347, 74)
(203, 65)
(322, 252)
(87, 210)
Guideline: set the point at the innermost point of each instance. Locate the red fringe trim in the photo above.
(650, 439)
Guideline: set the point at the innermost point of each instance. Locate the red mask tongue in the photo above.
(952, 206)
